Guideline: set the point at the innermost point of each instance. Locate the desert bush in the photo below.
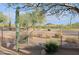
(39, 35)
(47, 36)
(57, 35)
(24, 39)
(71, 40)
(51, 48)
(49, 29)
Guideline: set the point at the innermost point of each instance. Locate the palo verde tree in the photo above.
(59, 9)
(32, 19)
(38, 17)
(3, 18)
(25, 22)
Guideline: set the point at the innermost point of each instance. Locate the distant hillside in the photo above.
(74, 25)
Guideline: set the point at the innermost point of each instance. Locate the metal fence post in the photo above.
(78, 35)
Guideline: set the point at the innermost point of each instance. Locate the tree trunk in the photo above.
(1, 41)
(9, 18)
(10, 25)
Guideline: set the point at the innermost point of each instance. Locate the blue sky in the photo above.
(49, 19)
(63, 20)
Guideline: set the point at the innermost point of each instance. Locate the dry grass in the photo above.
(71, 39)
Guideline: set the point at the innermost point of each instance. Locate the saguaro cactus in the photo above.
(17, 29)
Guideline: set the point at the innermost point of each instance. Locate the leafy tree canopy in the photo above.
(3, 18)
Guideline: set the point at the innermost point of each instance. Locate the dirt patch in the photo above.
(67, 51)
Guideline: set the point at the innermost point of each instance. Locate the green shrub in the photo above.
(57, 36)
(51, 48)
(47, 36)
(49, 29)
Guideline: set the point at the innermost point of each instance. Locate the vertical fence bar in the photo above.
(61, 41)
(78, 35)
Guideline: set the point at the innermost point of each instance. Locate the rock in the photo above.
(43, 52)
